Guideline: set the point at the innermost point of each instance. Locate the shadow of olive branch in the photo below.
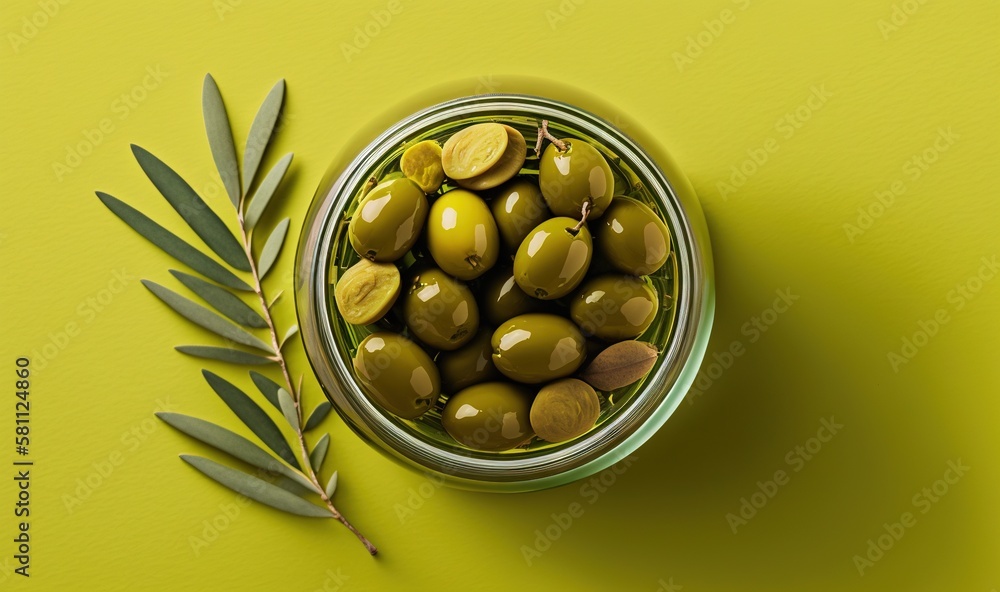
(231, 318)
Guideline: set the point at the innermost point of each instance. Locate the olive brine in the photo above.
(518, 293)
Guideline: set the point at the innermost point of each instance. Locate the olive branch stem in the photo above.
(584, 214)
(543, 132)
(223, 311)
(295, 393)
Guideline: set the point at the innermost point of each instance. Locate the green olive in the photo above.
(422, 164)
(507, 166)
(518, 207)
(501, 299)
(440, 311)
(632, 237)
(491, 416)
(366, 291)
(614, 307)
(473, 150)
(564, 409)
(580, 174)
(388, 220)
(538, 347)
(468, 365)
(553, 259)
(461, 234)
(397, 374)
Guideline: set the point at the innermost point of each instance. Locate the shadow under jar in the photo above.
(628, 417)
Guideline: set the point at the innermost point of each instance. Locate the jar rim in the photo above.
(608, 443)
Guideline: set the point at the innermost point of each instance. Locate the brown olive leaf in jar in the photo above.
(620, 365)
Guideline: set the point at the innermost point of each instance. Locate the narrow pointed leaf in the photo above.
(267, 387)
(172, 244)
(225, 354)
(253, 416)
(288, 408)
(231, 443)
(275, 299)
(220, 138)
(288, 335)
(222, 300)
(255, 488)
(261, 131)
(318, 415)
(294, 486)
(265, 191)
(318, 454)
(203, 317)
(331, 486)
(269, 254)
(205, 222)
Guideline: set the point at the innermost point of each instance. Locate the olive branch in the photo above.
(292, 480)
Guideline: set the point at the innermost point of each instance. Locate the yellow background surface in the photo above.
(891, 81)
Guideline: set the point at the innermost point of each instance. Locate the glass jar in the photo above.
(628, 418)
